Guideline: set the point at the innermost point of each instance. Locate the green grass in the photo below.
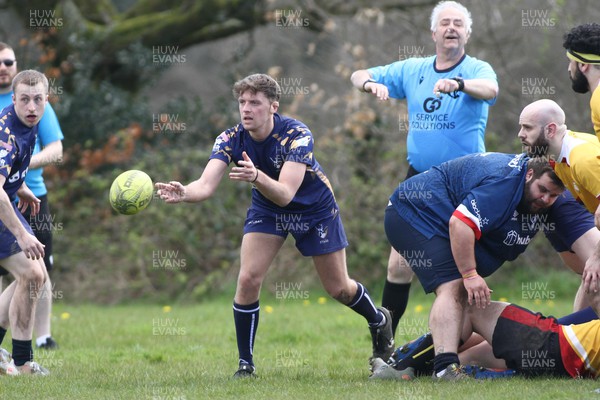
(303, 351)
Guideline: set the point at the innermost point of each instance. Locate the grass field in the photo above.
(306, 349)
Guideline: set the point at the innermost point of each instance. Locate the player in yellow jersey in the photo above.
(544, 132)
(583, 50)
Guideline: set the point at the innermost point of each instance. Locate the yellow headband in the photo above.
(583, 57)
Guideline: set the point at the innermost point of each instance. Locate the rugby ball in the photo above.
(131, 192)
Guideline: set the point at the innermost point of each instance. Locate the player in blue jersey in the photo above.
(21, 253)
(458, 223)
(48, 149)
(448, 96)
(290, 195)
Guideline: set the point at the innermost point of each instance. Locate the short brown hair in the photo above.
(255, 83)
(29, 77)
(541, 166)
(4, 46)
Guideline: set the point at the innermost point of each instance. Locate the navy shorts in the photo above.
(8, 242)
(528, 342)
(430, 259)
(314, 236)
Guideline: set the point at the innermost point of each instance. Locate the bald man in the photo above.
(544, 132)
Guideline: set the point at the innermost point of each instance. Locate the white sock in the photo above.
(41, 340)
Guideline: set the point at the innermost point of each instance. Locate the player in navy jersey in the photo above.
(448, 97)
(21, 253)
(48, 149)
(458, 223)
(290, 195)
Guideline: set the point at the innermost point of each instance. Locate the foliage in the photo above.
(106, 92)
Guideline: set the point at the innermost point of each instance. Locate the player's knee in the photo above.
(399, 273)
(341, 294)
(34, 276)
(249, 281)
(593, 299)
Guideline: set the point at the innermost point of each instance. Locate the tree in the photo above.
(108, 28)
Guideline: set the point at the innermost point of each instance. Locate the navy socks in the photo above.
(246, 324)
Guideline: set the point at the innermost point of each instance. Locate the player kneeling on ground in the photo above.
(516, 341)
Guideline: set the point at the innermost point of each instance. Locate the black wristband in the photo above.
(367, 81)
(461, 83)
(255, 178)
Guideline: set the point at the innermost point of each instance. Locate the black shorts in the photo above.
(528, 342)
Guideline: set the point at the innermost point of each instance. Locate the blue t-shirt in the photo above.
(17, 142)
(48, 131)
(440, 128)
(484, 190)
(292, 141)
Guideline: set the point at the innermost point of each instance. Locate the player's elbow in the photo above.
(283, 201)
(493, 90)
(358, 77)
(284, 198)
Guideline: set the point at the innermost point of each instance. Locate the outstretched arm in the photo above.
(483, 89)
(360, 80)
(196, 191)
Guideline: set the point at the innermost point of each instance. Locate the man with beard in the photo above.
(544, 132)
(459, 222)
(583, 50)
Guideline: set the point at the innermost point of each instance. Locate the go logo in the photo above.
(431, 104)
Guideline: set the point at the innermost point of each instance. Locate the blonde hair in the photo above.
(29, 77)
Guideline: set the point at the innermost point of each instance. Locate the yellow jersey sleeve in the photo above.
(595, 109)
